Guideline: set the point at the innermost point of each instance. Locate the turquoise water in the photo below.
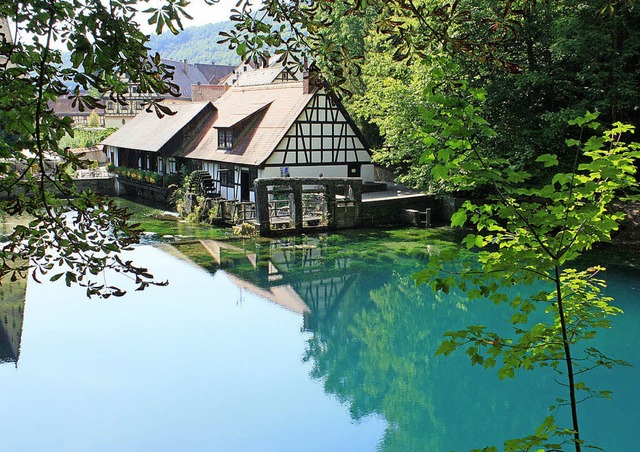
(305, 346)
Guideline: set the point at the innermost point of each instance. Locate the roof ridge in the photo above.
(281, 85)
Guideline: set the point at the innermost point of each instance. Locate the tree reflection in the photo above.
(375, 351)
(12, 299)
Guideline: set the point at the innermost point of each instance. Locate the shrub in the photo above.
(135, 174)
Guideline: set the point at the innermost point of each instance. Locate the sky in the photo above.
(201, 12)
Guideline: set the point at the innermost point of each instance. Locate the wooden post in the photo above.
(296, 186)
(357, 200)
(262, 207)
(164, 172)
(331, 205)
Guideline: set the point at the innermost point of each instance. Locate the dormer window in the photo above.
(225, 139)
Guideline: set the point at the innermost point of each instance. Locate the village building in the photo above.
(185, 75)
(63, 107)
(266, 125)
(150, 143)
(5, 36)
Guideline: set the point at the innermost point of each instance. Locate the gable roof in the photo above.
(275, 108)
(147, 132)
(263, 76)
(214, 72)
(186, 75)
(230, 118)
(63, 106)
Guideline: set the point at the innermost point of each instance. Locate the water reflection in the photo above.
(12, 299)
(304, 276)
(373, 342)
(379, 358)
(210, 360)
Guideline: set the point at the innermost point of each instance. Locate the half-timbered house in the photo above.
(276, 130)
(268, 126)
(185, 75)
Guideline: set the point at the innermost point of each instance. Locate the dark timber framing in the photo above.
(323, 135)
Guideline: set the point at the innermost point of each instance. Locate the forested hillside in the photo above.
(196, 45)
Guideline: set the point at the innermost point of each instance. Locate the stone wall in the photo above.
(389, 211)
(125, 187)
(449, 205)
(102, 185)
(392, 210)
(343, 199)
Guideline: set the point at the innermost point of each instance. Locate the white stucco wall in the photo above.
(366, 171)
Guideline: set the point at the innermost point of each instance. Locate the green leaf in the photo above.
(446, 348)
(506, 372)
(548, 160)
(459, 218)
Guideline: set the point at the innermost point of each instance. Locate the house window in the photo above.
(225, 139)
(172, 167)
(226, 175)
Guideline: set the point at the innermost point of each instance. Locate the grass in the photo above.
(163, 223)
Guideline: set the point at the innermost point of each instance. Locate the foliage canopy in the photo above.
(79, 234)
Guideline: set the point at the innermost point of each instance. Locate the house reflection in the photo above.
(300, 275)
(12, 299)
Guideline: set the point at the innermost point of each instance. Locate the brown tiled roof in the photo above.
(62, 106)
(285, 102)
(239, 114)
(147, 132)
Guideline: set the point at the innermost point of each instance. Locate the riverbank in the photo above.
(624, 249)
(629, 233)
(622, 252)
(160, 225)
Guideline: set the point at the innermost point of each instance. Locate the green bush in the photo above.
(83, 138)
(148, 177)
(94, 119)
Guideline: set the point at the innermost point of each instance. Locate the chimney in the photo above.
(306, 82)
(309, 76)
(185, 66)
